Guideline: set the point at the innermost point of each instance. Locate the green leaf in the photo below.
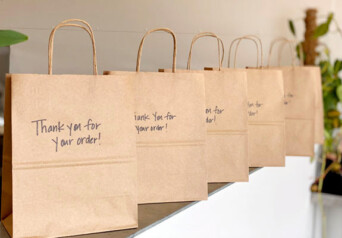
(9, 37)
(299, 51)
(339, 92)
(328, 124)
(292, 28)
(323, 28)
(330, 102)
(327, 134)
(324, 67)
(337, 66)
(330, 17)
(327, 51)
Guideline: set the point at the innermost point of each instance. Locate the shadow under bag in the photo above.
(69, 162)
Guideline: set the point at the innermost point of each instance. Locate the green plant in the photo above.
(9, 37)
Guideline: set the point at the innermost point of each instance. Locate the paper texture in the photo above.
(265, 110)
(300, 90)
(319, 112)
(69, 155)
(171, 132)
(266, 129)
(226, 118)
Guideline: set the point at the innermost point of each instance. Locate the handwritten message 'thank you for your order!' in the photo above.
(153, 122)
(254, 108)
(64, 135)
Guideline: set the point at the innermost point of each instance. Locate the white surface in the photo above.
(333, 215)
(275, 203)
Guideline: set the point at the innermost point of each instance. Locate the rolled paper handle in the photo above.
(239, 39)
(284, 41)
(255, 37)
(79, 21)
(205, 34)
(174, 47)
(92, 32)
(301, 52)
(65, 23)
(249, 37)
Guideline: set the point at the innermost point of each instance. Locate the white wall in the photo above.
(119, 26)
(276, 201)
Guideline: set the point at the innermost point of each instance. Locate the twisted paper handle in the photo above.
(65, 23)
(207, 34)
(174, 47)
(282, 40)
(253, 38)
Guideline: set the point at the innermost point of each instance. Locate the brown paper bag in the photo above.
(266, 129)
(319, 112)
(316, 80)
(226, 105)
(299, 104)
(69, 162)
(171, 132)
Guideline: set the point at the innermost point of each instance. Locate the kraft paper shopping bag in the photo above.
(226, 105)
(69, 162)
(266, 128)
(319, 112)
(316, 80)
(171, 132)
(299, 101)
